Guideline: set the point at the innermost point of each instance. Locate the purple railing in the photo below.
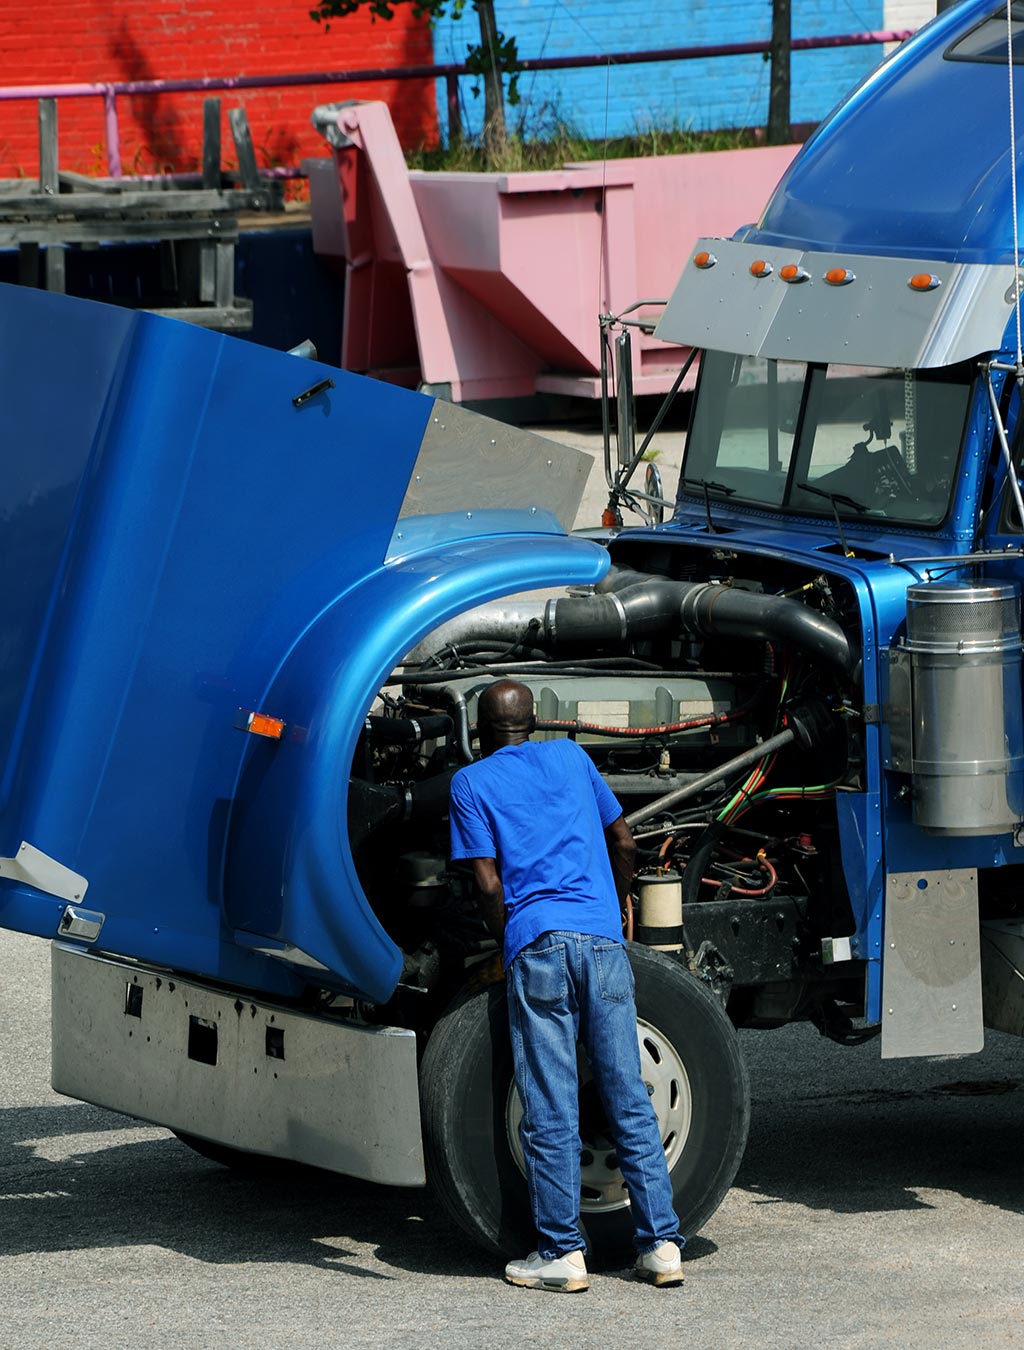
(109, 91)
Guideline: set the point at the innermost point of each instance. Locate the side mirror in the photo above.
(625, 419)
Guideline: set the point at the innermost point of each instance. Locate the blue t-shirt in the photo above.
(540, 810)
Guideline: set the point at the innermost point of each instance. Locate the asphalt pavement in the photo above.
(878, 1205)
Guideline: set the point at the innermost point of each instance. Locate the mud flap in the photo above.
(931, 971)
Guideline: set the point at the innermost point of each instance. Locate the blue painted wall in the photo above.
(702, 94)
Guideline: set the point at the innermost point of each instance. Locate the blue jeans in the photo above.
(565, 987)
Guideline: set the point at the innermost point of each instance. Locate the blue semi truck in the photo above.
(249, 603)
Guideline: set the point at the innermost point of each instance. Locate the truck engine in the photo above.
(714, 694)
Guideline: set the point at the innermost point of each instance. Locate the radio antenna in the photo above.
(1013, 190)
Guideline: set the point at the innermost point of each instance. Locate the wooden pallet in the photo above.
(196, 226)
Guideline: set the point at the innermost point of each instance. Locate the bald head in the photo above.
(504, 715)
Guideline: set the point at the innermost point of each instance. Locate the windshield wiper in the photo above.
(707, 486)
(832, 498)
(705, 483)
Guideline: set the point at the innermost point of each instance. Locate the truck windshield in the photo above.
(869, 443)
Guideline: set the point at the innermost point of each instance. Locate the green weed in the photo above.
(562, 143)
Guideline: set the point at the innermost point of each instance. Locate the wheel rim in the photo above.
(601, 1184)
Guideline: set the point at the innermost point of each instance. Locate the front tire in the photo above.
(691, 1062)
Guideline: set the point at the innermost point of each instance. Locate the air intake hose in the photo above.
(652, 604)
(371, 805)
(629, 605)
(648, 605)
(727, 611)
(405, 730)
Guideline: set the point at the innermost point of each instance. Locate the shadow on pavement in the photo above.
(852, 1152)
(874, 1149)
(160, 1193)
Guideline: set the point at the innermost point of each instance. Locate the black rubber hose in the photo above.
(619, 577)
(650, 605)
(487, 653)
(699, 859)
(636, 605)
(371, 805)
(730, 612)
(624, 665)
(654, 600)
(576, 620)
(405, 730)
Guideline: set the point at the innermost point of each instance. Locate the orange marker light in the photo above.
(260, 724)
(924, 281)
(839, 276)
(791, 272)
(704, 259)
(760, 268)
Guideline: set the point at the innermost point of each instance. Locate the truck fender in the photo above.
(289, 875)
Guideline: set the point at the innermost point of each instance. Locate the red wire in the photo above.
(714, 720)
(765, 866)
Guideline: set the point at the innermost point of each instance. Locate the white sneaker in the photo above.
(662, 1267)
(561, 1275)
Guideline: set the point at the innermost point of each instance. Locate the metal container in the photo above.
(964, 642)
(660, 896)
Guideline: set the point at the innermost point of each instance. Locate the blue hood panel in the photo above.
(176, 538)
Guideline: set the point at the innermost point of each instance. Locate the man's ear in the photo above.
(532, 724)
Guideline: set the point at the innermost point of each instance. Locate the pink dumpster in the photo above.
(489, 285)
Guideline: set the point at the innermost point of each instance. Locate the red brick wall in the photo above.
(82, 41)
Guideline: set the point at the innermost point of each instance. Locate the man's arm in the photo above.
(490, 896)
(622, 855)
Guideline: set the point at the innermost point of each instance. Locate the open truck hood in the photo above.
(188, 531)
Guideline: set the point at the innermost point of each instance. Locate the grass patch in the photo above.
(566, 145)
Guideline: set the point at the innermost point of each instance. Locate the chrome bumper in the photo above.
(237, 1071)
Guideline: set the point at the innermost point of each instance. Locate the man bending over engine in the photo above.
(553, 859)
